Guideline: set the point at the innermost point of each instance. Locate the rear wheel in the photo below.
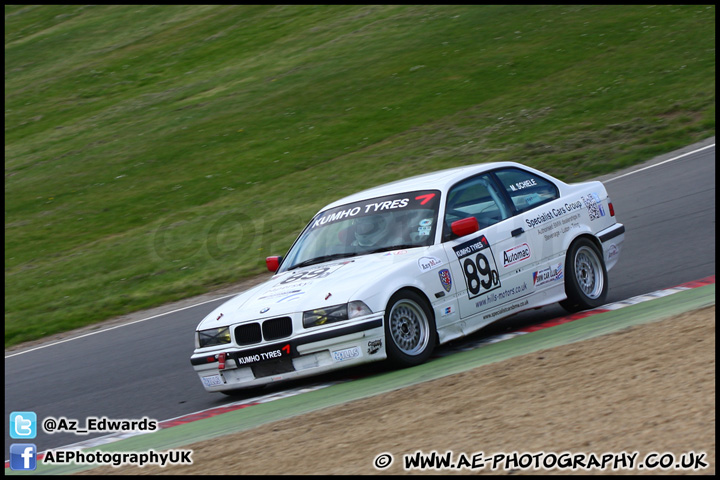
(410, 332)
(585, 277)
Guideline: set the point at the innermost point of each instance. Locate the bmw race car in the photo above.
(394, 271)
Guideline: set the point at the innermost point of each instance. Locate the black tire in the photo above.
(410, 333)
(586, 282)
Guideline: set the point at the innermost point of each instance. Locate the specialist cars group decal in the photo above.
(557, 212)
(478, 266)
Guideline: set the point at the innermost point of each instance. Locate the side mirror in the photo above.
(466, 226)
(273, 263)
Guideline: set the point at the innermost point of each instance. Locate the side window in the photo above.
(475, 197)
(526, 189)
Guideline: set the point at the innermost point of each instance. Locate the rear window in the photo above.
(526, 189)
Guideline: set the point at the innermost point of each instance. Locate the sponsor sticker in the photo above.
(250, 357)
(409, 200)
(396, 252)
(613, 251)
(291, 297)
(468, 248)
(539, 219)
(428, 263)
(547, 275)
(346, 354)
(281, 290)
(374, 346)
(211, 380)
(516, 254)
(447, 311)
(478, 266)
(445, 279)
(594, 206)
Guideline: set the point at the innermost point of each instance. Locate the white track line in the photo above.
(118, 326)
(227, 296)
(658, 164)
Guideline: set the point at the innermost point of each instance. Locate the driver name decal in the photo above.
(524, 184)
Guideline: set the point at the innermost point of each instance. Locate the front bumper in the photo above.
(299, 356)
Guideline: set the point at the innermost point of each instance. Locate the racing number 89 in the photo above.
(474, 270)
(312, 274)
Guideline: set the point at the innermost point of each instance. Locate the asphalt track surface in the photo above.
(143, 369)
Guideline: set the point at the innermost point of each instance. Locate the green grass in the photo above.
(157, 152)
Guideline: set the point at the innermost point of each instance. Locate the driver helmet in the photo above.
(370, 230)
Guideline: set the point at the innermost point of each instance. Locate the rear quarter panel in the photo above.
(582, 209)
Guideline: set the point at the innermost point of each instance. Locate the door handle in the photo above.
(517, 231)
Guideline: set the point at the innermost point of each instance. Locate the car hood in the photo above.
(316, 286)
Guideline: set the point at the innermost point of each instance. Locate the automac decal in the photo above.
(516, 254)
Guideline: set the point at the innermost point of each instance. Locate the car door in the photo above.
(540, 221)
(491, 262)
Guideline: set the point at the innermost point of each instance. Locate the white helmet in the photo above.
(371, 229)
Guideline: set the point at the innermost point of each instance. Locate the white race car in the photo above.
(391, 272)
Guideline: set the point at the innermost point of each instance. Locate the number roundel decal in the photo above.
(478, 266)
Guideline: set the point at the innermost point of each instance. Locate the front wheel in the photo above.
(586, 283)
(409, 329)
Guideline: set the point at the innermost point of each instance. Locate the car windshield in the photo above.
(404, 220)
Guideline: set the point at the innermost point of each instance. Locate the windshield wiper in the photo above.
(321, 259)
(393, 247)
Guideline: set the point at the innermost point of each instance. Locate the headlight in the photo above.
(358, 309)
(336, 313)
(213, 337)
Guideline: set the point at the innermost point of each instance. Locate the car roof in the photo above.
(440, 180)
